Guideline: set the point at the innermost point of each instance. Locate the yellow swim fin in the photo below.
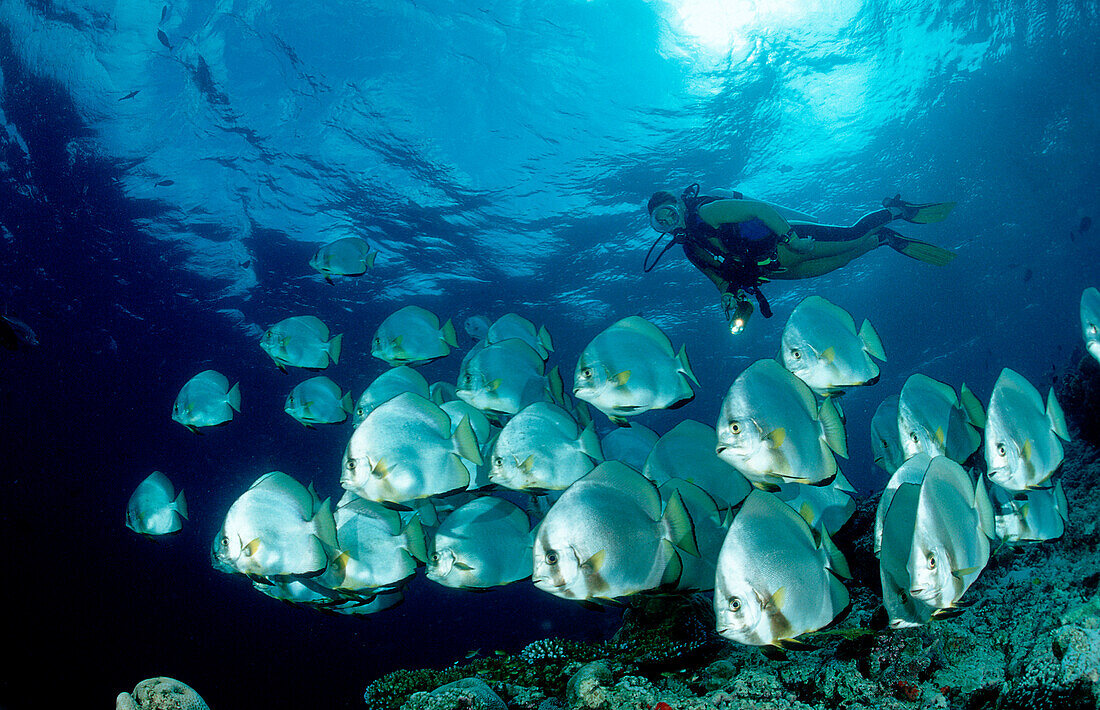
(926, 213)
(916, 249)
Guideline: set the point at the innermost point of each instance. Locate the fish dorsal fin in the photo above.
(1060, 501)
(835, 558)
(674, 566)
(973, 408)
(1056, 416)
(872, 345)
(680, 526)
(832, 426)
(466, 442)
(447, 333)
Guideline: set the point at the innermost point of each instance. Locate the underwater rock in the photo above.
(463, 694)
(161, 694)
(1078, 391)
(587, 687)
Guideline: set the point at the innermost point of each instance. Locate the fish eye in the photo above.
(914, 437)
(1001, 450)
(1092, 329)
(931, 562)
(350, 465)
(551, 558)
(885, 443)
(586, 372)
(735, 428)
(435, 557)
(498, 461)
(796, 353)
(468, 378)
(224, 541)
(735, 604)
(358, 411)
(377, 341)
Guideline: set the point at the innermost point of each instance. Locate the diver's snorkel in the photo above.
(665, 219)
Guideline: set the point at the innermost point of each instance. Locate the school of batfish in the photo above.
(501, 476)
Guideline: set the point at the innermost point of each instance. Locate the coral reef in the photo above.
(1028, 638)
(160, 694)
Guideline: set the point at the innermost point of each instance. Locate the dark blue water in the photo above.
(498, 157)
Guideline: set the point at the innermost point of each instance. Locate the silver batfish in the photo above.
(301, 341)
(885, 438)
(1029, 516)
(934, 420)
(485, 543)
(606, 537)
(318, 400)
(630, 444)
(412, 336)
(686, 452)
(154, 508)
(504, 378)
(820, 345)
(1090, 320)
(772, 431)
(1022, 447)
(631, 368)
(388, 385)
(776, 579)
(404, 450)
(543, 448)
(510, 326)
(276, 529)
(350, 256)
(206, 400)
(375, 549)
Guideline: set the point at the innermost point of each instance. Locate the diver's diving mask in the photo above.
(665, 218)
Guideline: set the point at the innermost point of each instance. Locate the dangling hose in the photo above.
(676, 235)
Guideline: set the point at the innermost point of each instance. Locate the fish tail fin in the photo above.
(346, 403)
(181, 505)
(984, 506)
(1056, 416)
(448, 333)
(871, 342)
(834, 558)
(680, 527)
(555, 386)
(370, 259)
(234, 397)
(544, 338)
(974, 410)
(916, 249)
(682, 356)
(590, 442)
(416, 540)
(833, 427)
(466, 441)
(674, 567)
(334, 346)
(926, 213)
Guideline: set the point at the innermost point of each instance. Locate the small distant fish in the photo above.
(163, 39)
(1090, 320)
(165, 183)
(776, 579)
(154, 507)
(607, 536)
(510, 326)
(318, 400)
(477, 326)
(163, 13)
(350, 256)
(772, 430)
(1022, 447)
(206, 400)
(885, 436)
(820, 345)
(388, 385)
(16, 335)
(484, 543)
(301, 341)
(405, 450)
(130, 95)
(631, 368)
(276, 530)
(412, 336)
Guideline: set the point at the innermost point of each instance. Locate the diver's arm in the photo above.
(722, 212)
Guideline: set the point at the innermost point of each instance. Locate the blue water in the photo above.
(498, 155)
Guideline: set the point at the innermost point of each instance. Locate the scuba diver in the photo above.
(740, 243)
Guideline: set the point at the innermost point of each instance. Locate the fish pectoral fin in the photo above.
(948, 613)
(492, 385)
(766, 486)
(828, 354)
(794, 645)
(777, 437)
(775, 601)
(251, 548)
(1026, 452)
(940, 438)
(960, 573)
(527, 464)
(622, 378)
(462, 566)
(595, 562)
(380, 468)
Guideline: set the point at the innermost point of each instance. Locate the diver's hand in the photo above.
(797, 244)
(738, 309)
